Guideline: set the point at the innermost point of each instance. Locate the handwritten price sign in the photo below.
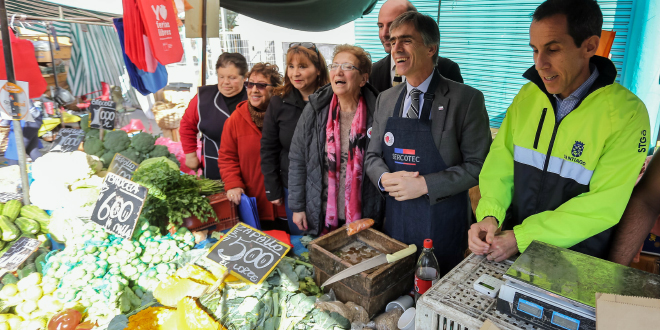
(18, 253)
(68, 140)
(119, 205)
(122, 166)
(248, 253)
(103, 114)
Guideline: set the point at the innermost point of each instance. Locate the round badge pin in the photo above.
(369, 132)
(389, 139)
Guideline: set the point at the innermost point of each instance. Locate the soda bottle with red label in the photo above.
(427, 271)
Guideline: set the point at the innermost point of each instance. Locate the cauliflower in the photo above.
(116, 141)
(63, 167)
(47, 195)
(133, 155)
(143, 142)
(159, 151)
(93, 146)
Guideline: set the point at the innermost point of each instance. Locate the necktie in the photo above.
(397, 79)
(413, 111)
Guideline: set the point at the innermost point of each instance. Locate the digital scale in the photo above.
(555, 288)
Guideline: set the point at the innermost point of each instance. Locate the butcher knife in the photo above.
(371, 263)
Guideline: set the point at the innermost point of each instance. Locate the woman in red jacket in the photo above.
(239, 161)
(208, 111)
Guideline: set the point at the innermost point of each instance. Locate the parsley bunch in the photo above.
(172, 196)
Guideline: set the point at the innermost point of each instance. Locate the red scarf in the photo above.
(356, 146)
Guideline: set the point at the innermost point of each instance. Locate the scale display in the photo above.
(530, 308)
(565, 321)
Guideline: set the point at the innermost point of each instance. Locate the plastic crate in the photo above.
(453, 303)
(224, 210)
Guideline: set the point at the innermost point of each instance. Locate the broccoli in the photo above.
(93, 133)
(143, 142)
(159, 151)
(107, 158)
(84, 123)
(93, 146)
(116, 141)
(173, 158)
(133, 155)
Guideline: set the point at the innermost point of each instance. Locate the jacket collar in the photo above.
(323, 96)
(606, 69)
(244, 112)
(294, 98)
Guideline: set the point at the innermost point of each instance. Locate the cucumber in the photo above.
(36, 214)
(9, 230)
(27, 225)
(12, 209)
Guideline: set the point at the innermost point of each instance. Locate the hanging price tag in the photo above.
(119, 205)
(248, 253)
(68, 140)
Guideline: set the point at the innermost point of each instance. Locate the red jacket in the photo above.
(188, 127)
(240, 162)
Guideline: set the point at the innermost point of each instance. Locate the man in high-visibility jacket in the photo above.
(565, 160)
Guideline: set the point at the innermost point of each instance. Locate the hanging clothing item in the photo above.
(26, 67)
(410, 142)
(144, 82)
(356, 144)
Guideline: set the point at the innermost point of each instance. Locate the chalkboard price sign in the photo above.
(248, 253)
(119, 205)
(103, 114)
(122, 166)
(68, 140)
(18, 253)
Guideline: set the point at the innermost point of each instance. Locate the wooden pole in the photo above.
(11, 78)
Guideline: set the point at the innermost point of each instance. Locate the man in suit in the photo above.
(429, 139)
(383, 75)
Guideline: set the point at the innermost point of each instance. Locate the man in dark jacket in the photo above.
(383, 75)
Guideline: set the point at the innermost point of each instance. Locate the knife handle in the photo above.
(412, 248)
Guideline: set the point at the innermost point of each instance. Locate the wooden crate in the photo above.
(372, 291)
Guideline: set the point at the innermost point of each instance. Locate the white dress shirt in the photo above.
(423, 87)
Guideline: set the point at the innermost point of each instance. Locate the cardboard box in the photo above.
(615, 312)
(64, 53)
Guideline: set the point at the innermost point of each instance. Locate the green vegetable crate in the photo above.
(224, 209)
(372, 289)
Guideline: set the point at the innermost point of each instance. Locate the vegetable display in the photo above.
(137, 148)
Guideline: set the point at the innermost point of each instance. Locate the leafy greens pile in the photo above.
(172, 196)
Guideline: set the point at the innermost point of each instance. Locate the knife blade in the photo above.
(371, 263)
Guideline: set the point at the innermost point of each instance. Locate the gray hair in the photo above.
(426, 26)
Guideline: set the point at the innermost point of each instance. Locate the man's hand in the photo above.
(481, 234)
(192, 161)
(277, 202)
(404, 185)
(234, 195)
(504, 245)
(300, 219)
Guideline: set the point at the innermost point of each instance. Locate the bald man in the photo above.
(383, 75)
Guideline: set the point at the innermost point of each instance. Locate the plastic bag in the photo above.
(389, 320)
(176, 149)
(334, 306)
(134, 126)
(358, 313)
(359, 225)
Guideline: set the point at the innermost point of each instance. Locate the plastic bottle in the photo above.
(427, 271)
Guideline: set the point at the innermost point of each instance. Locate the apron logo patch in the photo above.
(405, 156)
(441, 108)
(389, 139)
(369, 133)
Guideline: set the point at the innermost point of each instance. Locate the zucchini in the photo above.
(9, 231)
(12, 209)
(35, 213)
(27, 225)
(2, 206)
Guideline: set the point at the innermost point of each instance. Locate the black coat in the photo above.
(306, 170)
(380, 73)
(279, 124)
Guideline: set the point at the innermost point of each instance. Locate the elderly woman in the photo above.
(306, 72)
(208, 111)
(239, 161)
(327, 186)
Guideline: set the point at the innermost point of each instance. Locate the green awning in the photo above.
(305, 15)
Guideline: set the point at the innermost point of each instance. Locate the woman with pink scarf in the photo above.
(327, 185)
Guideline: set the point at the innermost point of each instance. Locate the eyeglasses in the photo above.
(343, 66)
(308, 45)
(260, 86)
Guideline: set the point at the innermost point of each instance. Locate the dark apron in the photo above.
(413, 149)
(213, 112)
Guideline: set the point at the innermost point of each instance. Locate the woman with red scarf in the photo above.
(327, 184)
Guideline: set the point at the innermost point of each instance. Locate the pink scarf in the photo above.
(356, 146)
